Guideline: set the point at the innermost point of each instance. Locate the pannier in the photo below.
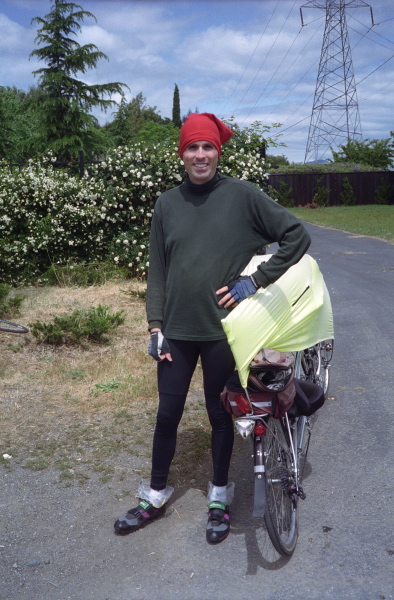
(270, 388)
(308, 399)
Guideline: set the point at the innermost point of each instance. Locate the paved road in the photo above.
(345, 548)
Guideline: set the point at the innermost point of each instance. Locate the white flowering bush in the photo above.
(50, 217)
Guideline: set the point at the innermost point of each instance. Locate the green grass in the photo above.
(372, 220)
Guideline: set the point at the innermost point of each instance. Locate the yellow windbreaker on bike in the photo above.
(289, 315)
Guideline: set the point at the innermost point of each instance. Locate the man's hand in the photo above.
(158, 346)
(238, 290)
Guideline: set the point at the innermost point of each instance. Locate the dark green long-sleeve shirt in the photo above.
(202, 237)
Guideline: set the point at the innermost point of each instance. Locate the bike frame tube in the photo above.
(259, 477)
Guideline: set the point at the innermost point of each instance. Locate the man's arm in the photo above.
(155, 293)
(277, 225)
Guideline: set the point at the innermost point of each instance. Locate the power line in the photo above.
(277, 69)
(378, 90)
(290, 66)
(377, 68)
(250, 59)
(265, 58)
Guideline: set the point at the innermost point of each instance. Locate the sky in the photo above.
(251, 60)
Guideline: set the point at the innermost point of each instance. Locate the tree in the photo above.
(321, 193)
(347, 194)
(176, 108)
(19, 122)
(130, 118)
(6, 130)
(277, 161)
(372, 153)
(158, 133)
(64, 101)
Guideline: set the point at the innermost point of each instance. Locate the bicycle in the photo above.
(10, 327)
(280, 449)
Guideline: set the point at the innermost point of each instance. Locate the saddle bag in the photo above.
(309, 397)
(270, 386)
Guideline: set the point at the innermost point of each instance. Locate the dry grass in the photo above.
(91, 409)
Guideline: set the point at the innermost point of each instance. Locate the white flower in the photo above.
(116, 259)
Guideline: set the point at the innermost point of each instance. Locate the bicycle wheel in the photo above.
(12, 327)
(281, 502)
(304, 427)
(318, 369)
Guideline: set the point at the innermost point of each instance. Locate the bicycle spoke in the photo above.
(281, 511)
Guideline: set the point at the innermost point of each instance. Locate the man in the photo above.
(204, 232)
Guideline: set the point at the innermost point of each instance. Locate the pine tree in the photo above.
(176, 108)
(347, 195)
(65, 102)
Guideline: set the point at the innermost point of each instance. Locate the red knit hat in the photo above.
(203, 127)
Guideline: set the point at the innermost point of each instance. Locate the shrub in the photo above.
(284, 195)
(384, 193)
(50, 217)
(9, 306)
(85, 324)
(321, 194)
(348, 196)
(319, 168)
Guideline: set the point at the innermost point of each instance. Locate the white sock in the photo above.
(218, 494)
(157, 497)
(222, 493)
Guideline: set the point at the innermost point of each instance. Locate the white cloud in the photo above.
(251, 59)
(13, 37)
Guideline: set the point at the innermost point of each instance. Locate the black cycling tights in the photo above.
(173, 381)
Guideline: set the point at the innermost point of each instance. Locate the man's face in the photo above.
(200, 159)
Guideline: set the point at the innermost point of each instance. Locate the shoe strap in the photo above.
(218, 505)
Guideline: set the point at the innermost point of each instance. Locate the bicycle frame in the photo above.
(280, 448)
(257, 425)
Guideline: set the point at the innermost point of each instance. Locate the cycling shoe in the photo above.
(218, 526)
(137, 517)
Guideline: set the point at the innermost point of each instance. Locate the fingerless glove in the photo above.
(158, 345)
(243, 287)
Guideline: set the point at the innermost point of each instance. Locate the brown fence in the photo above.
(364, 185)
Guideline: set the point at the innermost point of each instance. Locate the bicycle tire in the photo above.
(317, 370)
(304, 425)
(9, 327)
(281, 502)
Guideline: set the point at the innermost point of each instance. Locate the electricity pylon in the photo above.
(335, 116)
